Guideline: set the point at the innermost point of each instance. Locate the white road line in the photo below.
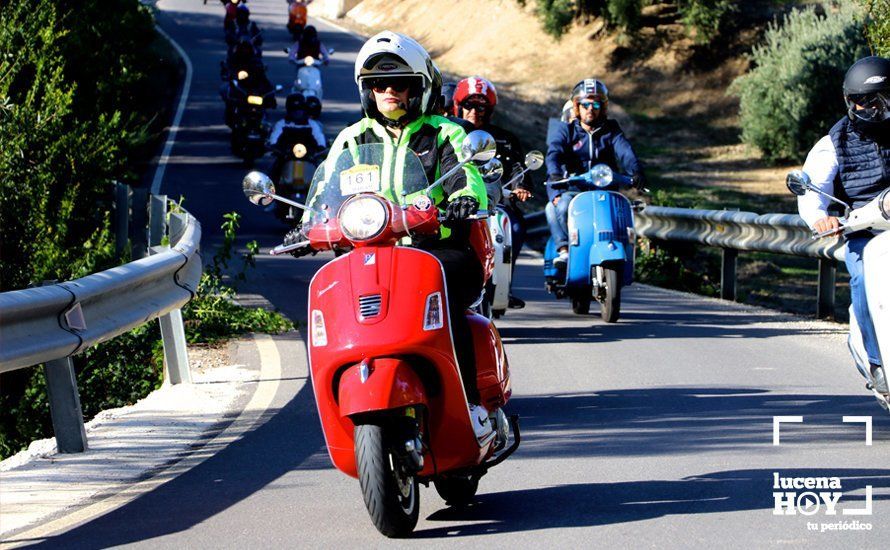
(251, 417)
(183, 99)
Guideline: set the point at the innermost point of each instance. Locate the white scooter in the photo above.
(308, 81)
(875, 217)
(497, 291)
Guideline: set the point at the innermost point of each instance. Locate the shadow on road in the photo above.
(685, 420)
(291, 437)
(591, 504)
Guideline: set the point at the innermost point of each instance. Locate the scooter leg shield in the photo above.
(379, 384)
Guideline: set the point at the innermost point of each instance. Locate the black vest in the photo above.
(863, 164)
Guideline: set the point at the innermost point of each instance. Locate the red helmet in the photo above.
(475, 85)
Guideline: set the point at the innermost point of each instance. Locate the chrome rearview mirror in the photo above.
(258, 187)
(797, 181)
(479, 147)
(534, 160)
(492, 171)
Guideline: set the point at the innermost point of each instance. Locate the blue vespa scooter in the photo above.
(601, 243)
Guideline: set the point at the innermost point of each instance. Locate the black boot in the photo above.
(515, 303)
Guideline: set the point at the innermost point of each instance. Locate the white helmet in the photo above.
(392, 54)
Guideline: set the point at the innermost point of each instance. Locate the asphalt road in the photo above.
(653, 432)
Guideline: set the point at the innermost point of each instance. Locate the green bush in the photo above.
(878, 30)
(659, 267)
(703, 18)
(624, 14)
(555, 15)
(792, 95)
(127, 368)
(68, 73)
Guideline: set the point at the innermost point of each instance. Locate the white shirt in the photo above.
(317, 131)
(821, 166)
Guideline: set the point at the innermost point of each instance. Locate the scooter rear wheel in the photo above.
(611, 306)
(388, 487)
(581, 303)
(457, 490)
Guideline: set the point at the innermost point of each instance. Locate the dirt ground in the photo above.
(669, 95)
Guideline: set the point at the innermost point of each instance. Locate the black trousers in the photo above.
(463, 282)
(518, 226)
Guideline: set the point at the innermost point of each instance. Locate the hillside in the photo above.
(669, 94)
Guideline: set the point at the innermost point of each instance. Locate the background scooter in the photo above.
(874, 216)
(601, 243)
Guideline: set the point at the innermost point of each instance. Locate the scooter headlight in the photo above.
(363, 217)
(299, 150)
(601, 175)
(309, 60)
(884, 203)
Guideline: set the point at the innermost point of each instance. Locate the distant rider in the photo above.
(309, 46)
(853, 163)
(475, 99)
(296, 120)
(577, 146)
(243, 27)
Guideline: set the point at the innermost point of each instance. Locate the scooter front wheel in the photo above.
(611, 306)
(389, 488)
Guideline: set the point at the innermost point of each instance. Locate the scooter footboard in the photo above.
(380, 384)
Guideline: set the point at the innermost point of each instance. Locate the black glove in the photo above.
(638, 181)
(294, 236)
(461, 208)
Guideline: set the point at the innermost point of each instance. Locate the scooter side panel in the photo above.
(549, 255)
(493, 370)
(503, 265)
(582, 233)
(394, 274)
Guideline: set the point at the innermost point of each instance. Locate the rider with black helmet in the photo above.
(297, 123)
(853, 163)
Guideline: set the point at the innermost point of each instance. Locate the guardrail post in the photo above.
(825, 292)
(64, 406)
(140, 223)
(728, 274)
(157, 220)
(121, 216)
(176, 359)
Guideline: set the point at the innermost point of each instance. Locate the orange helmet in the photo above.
(475, 85)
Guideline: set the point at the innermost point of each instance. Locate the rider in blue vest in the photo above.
(853, 163)
(575, 147)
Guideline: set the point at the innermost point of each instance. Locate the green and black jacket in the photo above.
(437, 143)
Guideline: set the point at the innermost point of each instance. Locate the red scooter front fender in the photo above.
(386, 384)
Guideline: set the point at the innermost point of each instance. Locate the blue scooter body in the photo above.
(599, 225)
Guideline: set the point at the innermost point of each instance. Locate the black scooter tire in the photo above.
(393, 512)
(611, 306)
(457, 490)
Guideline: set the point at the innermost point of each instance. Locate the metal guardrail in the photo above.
(49, 324)
(733, 231)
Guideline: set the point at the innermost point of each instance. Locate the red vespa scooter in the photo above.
(387, 385)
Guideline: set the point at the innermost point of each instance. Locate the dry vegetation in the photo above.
(669, 94)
